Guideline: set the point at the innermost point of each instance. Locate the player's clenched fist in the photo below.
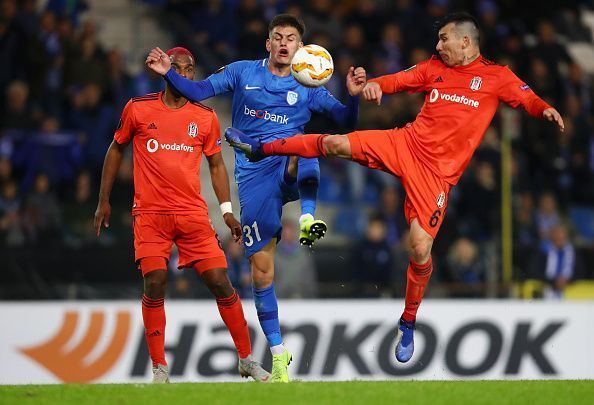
(372, 93)
(158, 61)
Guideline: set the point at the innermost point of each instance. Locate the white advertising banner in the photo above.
(99, 341)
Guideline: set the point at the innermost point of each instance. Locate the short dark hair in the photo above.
(287, 20)
(459, 18)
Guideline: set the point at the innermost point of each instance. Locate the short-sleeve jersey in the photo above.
(267, 107)
(167, 149)
(460, 103)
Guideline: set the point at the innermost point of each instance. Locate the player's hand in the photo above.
(234, 225)
(356, 80)
(372, 92)
(158, 61)
(550, 114)
(102, 216)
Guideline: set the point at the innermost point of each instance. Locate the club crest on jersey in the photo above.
(192, 129)
(475, 83)
(441, 200)
(292, 97)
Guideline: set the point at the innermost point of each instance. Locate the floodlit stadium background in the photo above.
(68, 67)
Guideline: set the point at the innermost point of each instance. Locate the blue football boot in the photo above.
(240, 141)
(405, 345)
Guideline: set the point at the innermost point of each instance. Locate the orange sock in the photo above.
(417, 278)
(308, 146)
(153, 314)
(232, 313)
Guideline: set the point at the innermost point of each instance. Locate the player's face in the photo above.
(450, 46)
(282, 44)
(183, 65)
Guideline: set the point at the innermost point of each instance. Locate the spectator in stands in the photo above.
(547, 215)
(298, 277)
(239, 269)
(557, 265)
(479, 206)
(17, 113)
(11, 226)
(392, 213)
(525, 232)
(120, 82)
(42, 213)
(373, 261)
(78, 223)
(466, 267)
(96, 120)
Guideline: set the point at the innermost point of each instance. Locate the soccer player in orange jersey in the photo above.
(169, 134)
(462, 91)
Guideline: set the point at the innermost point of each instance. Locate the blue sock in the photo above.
(267, 309)
(308, 178)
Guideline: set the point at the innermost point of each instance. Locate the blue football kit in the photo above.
(267, 107)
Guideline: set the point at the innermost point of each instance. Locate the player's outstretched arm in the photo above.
(220, 184)
(111, 166)
(550, 114)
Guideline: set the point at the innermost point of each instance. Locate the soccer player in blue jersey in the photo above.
(269, 104)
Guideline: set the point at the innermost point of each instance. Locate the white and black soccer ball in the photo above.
(312, 66)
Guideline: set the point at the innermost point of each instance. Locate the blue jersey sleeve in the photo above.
(195, 91)
(226, 78)
(320, 100)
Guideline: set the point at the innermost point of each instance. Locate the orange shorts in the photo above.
(426, 193)
(196, 240)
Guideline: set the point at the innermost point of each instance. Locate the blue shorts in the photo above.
(262, 198)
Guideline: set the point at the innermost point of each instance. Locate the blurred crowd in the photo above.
(61, 94)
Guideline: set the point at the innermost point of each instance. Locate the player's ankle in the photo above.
(278, 349)
(305, 217)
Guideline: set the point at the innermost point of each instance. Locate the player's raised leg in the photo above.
(231, 310)
(267, 308)
(308, 179)
(307, 145)
(153, 314)
(417, 277)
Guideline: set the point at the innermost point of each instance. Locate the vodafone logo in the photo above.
(454, 98)
(152, 145)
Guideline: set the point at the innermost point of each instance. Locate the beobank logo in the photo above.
(72, 363)
(152, 145)
(265, 115)
(454, 98)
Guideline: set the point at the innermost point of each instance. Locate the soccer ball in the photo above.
(312, 66)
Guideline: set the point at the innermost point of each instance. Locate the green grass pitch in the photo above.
(350, 392)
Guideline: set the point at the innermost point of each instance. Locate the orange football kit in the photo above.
(430, 154)
(167, 149)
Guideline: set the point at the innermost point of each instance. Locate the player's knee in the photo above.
(335, 145)
(420, 250)
(220, 286)
(155, 284)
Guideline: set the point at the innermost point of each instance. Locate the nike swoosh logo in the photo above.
(251, 87)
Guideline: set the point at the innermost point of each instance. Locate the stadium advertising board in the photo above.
(330, 340)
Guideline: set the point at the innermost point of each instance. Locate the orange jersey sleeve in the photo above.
(127, 125)
(212, 142)
(413, 79)
(515, 92)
